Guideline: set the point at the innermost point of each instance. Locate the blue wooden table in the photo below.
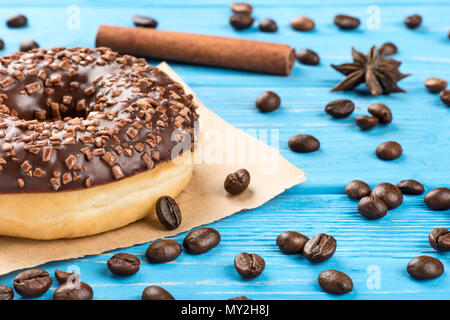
(373, 253)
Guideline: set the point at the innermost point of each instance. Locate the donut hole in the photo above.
(39, 107)
(48, 85)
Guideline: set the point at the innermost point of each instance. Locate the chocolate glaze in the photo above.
(103, 116)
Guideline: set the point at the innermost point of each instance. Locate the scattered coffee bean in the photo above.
(242, 7)
(168, 212)
(425, 267)
(240, 298)
(438, 199)
(237, 182)
(124, 264)
(28, 45)
(62, 276)
(346, 22)
(70, 291)
(340, 108)
(440, 239)
(320, 247)
(2, 44)
(145, 22)
(335, 282)
(241, 21)
(389, 194)
(411, 187)
(366, 122)
(435, 85)
(357, 189)
(268, 101)
(201, 240)
(303, 143)
(302, 24)
(292, 242)
(156, 293)
(163, 251)
(389, 150)
(17, 21)
(413, 22)
(308, 57)
(32, 283)
(268, 25)
(372, 208)
(387, 49)
(249, 265)
(445, 97)
(6, 293)
(382, 112)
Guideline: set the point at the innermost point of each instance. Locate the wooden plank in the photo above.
(385, 245)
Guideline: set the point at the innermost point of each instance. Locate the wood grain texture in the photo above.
(365, 248)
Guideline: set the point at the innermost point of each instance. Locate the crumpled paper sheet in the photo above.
(202, 202)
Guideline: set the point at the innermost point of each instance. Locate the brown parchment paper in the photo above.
(202, 202)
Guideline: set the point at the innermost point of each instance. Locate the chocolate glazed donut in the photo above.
(86, 141)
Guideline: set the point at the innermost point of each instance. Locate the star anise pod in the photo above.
(380, 73)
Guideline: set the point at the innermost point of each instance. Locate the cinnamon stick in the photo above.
(216, 51)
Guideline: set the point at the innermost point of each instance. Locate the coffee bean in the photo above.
(308, 57)
(335, 282)
(438, 199)
(201, 240)
(249, 265)
(382, 112)
(168, 212)
(387, 49)
(412, 187)
(372, 208)
(62, 276)
(32, 283)
(413, 22)
(346, 22)
(156, 293)
(340, 108)
(320, 247)
(302, 24)
(425, 267)
(6, 293)
(303, 143)
(237, 182)
(366, 122)
(291, 242)
(145, 22)
(268, 101)
(28, 45)
(435, 85)
(124, 264)
(71, 291)
(439, 239)
(240, 298)
(389, 150)
(445, 97)
(241, 21)
(17, 21)
(268, 25)
(242, 7)
(357, 189)
(2, 44)
(163, 251)
(389, 194)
